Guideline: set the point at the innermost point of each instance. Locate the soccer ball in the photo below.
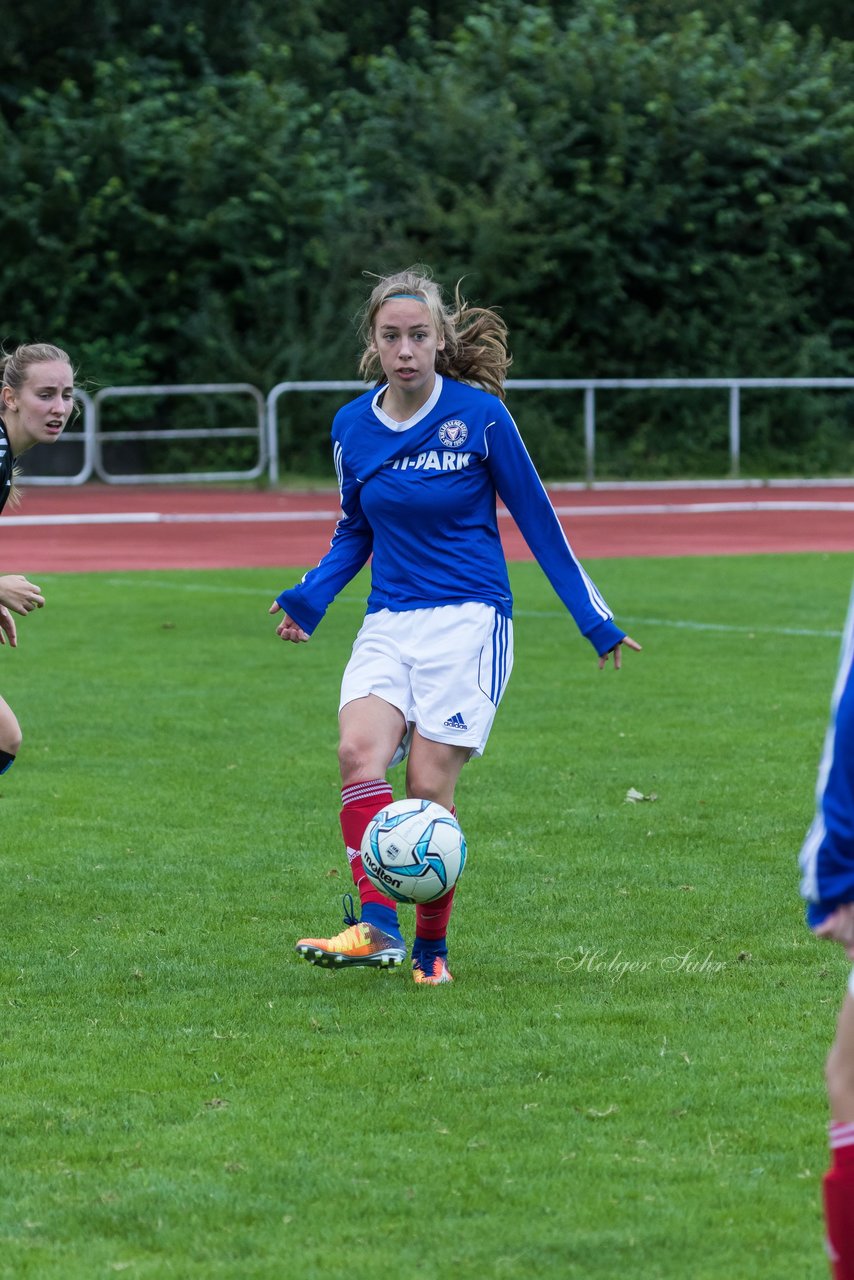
(414, 851)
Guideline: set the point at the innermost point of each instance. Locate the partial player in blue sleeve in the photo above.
(36, 401)
(422, 460)
(827, 864)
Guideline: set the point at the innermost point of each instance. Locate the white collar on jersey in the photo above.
(426, 407)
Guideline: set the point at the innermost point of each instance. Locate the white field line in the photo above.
(553, 615)
(701, 508)
(171, 517)
(301, 517)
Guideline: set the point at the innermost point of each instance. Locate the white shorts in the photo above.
(445, 669)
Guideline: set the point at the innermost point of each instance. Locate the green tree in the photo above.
(679, 205)
(831, 17)
(198, 203)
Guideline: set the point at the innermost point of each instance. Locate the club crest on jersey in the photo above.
(453, 433)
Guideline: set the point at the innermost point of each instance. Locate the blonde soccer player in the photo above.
(421, 461)
(36, 402)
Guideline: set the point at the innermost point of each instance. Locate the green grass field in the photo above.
(625, 1080)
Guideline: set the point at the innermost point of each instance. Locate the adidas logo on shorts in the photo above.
(455, 722)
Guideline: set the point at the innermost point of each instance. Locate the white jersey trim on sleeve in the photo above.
(592, 592)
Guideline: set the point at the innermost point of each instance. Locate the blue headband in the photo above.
(393, 297)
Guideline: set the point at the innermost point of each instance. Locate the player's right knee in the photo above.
(351, 759)
(358, 760)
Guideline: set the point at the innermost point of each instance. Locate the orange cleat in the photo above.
(360, 944)
(439, 973)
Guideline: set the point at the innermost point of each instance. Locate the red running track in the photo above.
(104, 527)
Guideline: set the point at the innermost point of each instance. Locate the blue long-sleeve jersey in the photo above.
(827, 855)
(420, 497)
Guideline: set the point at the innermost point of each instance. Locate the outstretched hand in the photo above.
(617, 652)
(839, 927)
(287, 628)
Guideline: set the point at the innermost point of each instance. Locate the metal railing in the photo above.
(288, 388)
(257, 433)
(266, 432)
(734, 386)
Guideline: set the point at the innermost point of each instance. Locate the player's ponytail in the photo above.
(475, 348)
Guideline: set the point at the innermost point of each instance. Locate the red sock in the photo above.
(361, 802)
(431, 918)
(839, 1202)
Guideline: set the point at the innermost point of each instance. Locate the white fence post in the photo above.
(589, 433)
(734, 430)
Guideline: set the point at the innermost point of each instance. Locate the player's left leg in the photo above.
(839, 1179)
(10, 736)
(433, 769)
(432, 774)
(460, 670)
